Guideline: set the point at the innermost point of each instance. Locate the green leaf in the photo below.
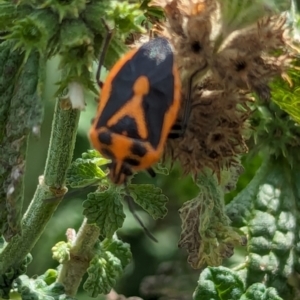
(61, 252)
(94, 154)
(125, 15)
(119, 249)
(269, 208)
(49, 276)
(239, 14)
(103, 272)
(105, 210)
(258, 291)
(150, 198)
(37, 289)
(219, 283)
(161, 169)
(71, 10)
(286, 96)
(8, 13)
(83, 171)
(34, 31)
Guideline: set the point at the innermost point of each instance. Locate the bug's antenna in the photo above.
(187, 108)
(129, 201)
(109, 33)
(151, 172)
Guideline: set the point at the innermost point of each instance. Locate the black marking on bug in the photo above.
(108, 153)
(105, 138)
(117, 170)
(138, 149)
(176, 131)
(127, 171)
(131, 161)
(126, 125)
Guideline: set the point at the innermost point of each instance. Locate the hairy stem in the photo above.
(81, 253)
(63, 136)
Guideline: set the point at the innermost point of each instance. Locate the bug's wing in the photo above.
(157, 60)
(121, 92)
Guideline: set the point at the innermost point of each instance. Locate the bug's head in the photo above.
(118, 172)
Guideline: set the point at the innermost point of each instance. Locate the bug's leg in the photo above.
(109, 33)
(179, 127)
(130, 204)
(176, 131)
(151, 172)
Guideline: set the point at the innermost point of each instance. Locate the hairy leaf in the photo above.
(83, 172)
(119, 249)
(38, 289)
(270, 212)
(103, 272)
(258, 291)
(7, 279)
(150, 198)
(286, 94)
(219, 283)
(105, 210)
(61, 252)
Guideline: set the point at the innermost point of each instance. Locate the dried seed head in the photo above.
(231, 68)
(216, 126)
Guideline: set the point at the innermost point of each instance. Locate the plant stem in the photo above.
(63, 136)
(81, 253)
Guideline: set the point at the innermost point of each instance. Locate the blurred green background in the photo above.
(157, 269)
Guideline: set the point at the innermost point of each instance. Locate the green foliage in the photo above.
(73, 30)
(258, 291)
(239, 14)
(34, 32)
(206, 233)
(61, 252)
(220, 283)
(85, 171)
(286, 95)
(267, 211)
(271, 121)
(161, 169)
(150, 198)
(65, 10)
(104, 208)
(151, 11)
(107, 266)
(7, 279)
(49, 276)
(38, 289)
(20, 99)
(103, 271)
(8, 13)
(119, 249)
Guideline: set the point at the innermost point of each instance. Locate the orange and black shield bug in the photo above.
(138, 106)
